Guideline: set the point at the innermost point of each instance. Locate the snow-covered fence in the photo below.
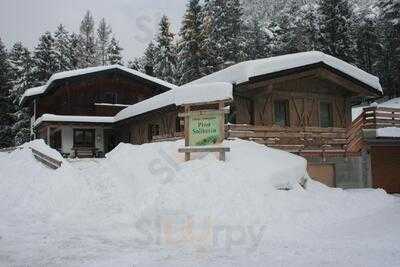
(46, 160)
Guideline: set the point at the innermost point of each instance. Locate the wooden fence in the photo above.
(380, 117)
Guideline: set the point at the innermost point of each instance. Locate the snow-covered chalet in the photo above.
(301, 103)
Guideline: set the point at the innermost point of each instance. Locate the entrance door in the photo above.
(109, 140)
(385, 168)
(323, 173)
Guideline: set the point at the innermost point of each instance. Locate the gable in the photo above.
(87, 74)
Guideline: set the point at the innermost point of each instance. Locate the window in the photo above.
(84, 138)
(153, 130)
(325, 109)
(110, 98)
(281, 112)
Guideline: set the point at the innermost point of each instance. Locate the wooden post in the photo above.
(48, 135)
(187, 154)
(222, 121)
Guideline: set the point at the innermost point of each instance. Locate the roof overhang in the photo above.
(320, 70)
(67, 76)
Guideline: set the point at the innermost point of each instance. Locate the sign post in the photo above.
(204, 130)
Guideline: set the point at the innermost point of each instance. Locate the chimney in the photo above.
(149, 70)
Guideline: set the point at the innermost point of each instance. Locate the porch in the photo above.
(78, 140)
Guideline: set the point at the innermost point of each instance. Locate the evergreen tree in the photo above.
(103, 41)
(223, 26)
(150, 54)
(87, 42)
(74, 49)
(45, 58)
(63, 55)
(258, 39)
(6, 107)
(191, 56)
(336, 29)
(165, 60)
(389, 63)
(114, 52)
(367, 40)
(137, 64)
(22, 74)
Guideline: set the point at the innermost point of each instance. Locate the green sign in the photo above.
(204, 129)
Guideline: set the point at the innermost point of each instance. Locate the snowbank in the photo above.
(130, 204)
(242, 72)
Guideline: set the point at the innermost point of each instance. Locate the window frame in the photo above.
(330, 109)
(287, 111)
(91, 143)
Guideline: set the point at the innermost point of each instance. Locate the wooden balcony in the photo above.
(313, 141)
(380, 117)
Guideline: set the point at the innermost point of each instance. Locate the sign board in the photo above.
(205, 129)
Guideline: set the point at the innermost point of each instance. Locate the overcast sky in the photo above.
(134, 22)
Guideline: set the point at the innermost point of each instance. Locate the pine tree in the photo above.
(190, 55)
(258, 39)
(389, 63)
(367, 40)
(150, 53)
(45, 58)
(137, 64)
(6, 107)
(63, 53)
(74, 51)
(114, 52)
(223, 28)
(22, 74)
(165, 60)
(336, 29)
(103, 41)
(87, 42)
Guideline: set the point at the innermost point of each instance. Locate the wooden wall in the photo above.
(135, 131)
(78, 97)
(304, 97)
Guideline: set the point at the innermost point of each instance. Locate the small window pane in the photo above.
(326, 114)
(281, 113)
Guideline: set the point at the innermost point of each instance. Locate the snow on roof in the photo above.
(187, 94)
(64, 118)
(67, 74)
(242, 72)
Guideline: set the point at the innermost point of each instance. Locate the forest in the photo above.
(213, 35)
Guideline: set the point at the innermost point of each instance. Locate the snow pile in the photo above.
(243, 72)
(130, 204)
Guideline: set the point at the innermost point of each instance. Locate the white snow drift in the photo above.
(133, 206)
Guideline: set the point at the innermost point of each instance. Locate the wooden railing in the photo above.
(380, 117)
(313, 140)
(293, 139)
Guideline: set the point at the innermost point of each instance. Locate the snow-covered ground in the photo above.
(145, 206)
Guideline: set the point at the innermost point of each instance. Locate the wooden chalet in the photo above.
(74, 111)
(301, 103)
